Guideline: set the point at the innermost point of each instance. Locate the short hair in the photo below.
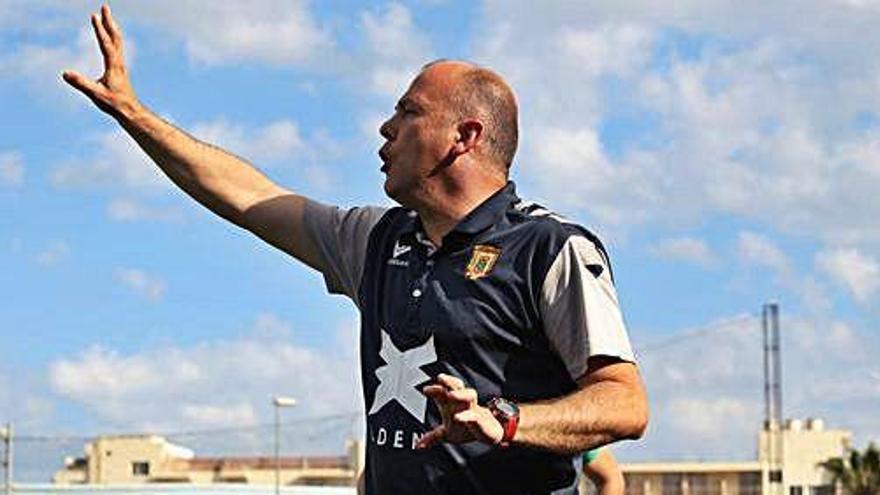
(484, 94)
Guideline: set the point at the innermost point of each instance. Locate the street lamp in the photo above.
(279, 402)
(6, 436)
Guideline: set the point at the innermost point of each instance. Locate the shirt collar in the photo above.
(487, 214)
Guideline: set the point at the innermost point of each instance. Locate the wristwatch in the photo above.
(507, 413)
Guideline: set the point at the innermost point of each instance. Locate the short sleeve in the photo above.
(341, 237)
(579, 307)
(591, 455)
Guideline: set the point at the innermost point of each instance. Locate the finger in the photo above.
(466, 416)
(466, 395)
(82, 83)
(432, 438)
(438, 395)
(117, 32)
(110, 27)
(481, 426)
(104, 42)
(436, 392)
(453, 383)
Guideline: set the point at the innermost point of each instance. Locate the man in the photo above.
(502, 313)
(602, 470)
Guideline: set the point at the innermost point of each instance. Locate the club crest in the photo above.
(482, 261)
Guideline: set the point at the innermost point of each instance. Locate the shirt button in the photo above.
(417, 293)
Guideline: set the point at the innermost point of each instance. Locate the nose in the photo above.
(386, 130)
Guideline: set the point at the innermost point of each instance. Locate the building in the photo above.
(787, 464)
(143, 459)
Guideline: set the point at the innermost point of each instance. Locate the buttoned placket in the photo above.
(421, 268)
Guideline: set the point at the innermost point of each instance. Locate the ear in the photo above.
(468, 134)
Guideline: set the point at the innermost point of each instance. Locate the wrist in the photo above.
(507, 414)
(129, 110)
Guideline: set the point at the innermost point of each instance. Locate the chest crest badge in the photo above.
(482, 261)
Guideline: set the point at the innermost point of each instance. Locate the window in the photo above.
(750, 483)
(822, 490)
(698, 484)
(140, 468)
(775, 476)
(795, 490)
(672, 484)
(635, 484)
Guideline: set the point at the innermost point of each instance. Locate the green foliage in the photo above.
(858, 473)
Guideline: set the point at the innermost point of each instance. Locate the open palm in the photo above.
(112, 92)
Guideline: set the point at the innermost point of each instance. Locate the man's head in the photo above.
(456, 126)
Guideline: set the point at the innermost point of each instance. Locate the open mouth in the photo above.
(383, 154)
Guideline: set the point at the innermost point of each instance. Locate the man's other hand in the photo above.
(112, 92)
(463, 419)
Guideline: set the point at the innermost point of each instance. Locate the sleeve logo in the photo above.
(482, 261)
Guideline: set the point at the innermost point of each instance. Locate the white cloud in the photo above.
(21, 401)
(395, 47)
(278, 144)
(695, 384)
(130, 210)
(211, 383)
(608, 49)
(705, 417)
(144, 284)
(280, 32)
(275, 141)
(41, 64)
(118, 163)
(753, 119)
(759, 250)
(686, 249)
(576, 156)
(270, 31)
(11, 169)
(858, 273)
(212, 415)
(55, 252)
(861, 4)
(706, 391)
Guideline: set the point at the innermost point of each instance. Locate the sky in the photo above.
(728, 153)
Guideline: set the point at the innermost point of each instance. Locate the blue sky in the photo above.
(729, 156)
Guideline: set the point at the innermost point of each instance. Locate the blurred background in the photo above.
(727, 152)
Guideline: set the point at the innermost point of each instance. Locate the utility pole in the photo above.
(6, 433)
(773, 396)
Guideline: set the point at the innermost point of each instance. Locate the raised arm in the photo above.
(219, 180)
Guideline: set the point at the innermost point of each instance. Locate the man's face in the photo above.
(418, 138)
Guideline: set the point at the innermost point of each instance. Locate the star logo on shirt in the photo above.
(401, 374)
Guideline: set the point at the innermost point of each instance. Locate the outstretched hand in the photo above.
(464, 420)
(112, 92)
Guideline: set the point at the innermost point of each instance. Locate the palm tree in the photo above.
(858, 473)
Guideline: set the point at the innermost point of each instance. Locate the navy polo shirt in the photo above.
(514, 302)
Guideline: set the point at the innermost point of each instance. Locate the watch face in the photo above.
(507, 408)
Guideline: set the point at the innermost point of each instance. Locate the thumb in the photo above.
(81, 82)
(432, 438)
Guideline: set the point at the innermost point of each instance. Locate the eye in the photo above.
(405, 109)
